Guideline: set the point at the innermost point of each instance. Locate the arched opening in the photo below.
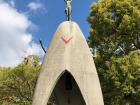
(66, 92)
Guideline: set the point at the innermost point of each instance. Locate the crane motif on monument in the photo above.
(68, 69)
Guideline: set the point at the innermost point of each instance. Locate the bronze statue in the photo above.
(68, 9)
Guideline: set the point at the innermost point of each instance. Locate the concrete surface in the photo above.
(68, 52)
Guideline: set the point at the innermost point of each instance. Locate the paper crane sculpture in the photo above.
(68, 70)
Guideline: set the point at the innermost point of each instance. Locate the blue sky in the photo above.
(48, 20)
(24, 22)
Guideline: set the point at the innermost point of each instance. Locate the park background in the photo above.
(112, 30)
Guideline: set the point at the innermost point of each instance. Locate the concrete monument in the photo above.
(68, 70)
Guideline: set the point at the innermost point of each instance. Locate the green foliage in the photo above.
(121, 80)
(17, 84)
(115, 24)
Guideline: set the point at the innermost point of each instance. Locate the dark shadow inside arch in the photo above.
(66, 92)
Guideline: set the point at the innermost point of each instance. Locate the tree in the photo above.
(121, 84)
(115, 33)
(17, 84)
(115, 23)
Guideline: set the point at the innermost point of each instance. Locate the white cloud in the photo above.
(12, 3)
(35, 6)
(15, 40)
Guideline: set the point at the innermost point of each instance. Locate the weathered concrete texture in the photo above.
(69, 51)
